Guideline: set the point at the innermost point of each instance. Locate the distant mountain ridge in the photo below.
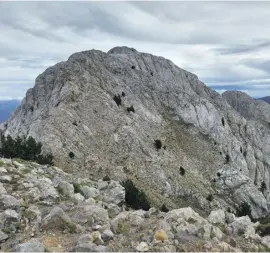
(7, 107)
(266, 99)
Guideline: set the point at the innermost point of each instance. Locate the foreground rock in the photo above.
(99, 224)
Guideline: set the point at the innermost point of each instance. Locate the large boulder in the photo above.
(8, 201)
(59, 220)
(66, 189)
(32, 245)
(89, 192)
(217, 217)
(113, 193)
(3, 236)
(185, 222)
(89, 214)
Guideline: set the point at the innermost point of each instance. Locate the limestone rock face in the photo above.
(126, 114)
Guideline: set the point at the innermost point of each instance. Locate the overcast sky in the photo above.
(225, 44)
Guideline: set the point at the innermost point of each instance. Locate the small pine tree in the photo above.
(243, 210)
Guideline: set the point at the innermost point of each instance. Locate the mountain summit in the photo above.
(127, 114)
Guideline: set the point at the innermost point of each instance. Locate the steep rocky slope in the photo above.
(110, 108)
(43, 208)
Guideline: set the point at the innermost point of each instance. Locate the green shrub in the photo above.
(210, 198)
(24, 148)
(164, 208)
(263, 229)
(71, 155)
(135, 198)
(182, 171)
(158, 144)
(243, 210)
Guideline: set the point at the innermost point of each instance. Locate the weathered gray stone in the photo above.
(78, 198)
(142, 247)
(3, 236)
(8, 201)
(217, 217)
(107, 235)
(113, 193)
(32, 245)
(2, 189)
(66, 189)
(5, 179)
(90, 247)
(89, 192)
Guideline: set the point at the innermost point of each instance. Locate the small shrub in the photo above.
(23, 148)
(123, 94)
(241, 150)
(243, 210)
(130, 109)
(117, 99)
(133, 67)
(218, 174)
(75, 123)
(263, 187)
(32, 108)
(135, 198)
(158, 144)
(223, 121)
(210, 198)
(245, 153)
(71, 155)
(227, 158)
(164, 208)
(182, 171)
(151, 73)
(164, 147)
(263, 229)
(77, 188)
(106, 178)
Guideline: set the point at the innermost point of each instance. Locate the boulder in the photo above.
(66, 189)
(107, 235)
(3, 171)
(240, 225)
(217, 217)
(89, 192)
(8, 201)
(32, 245)
(78, 198)
(3, 236)
(5, 179)
(114, 193)
(89, 247)
(58, 219)
(186, 221)
(142, 247)
(2, 189)
(8, 217)
(89, 214)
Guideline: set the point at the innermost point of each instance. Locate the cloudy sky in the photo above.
(226, 44)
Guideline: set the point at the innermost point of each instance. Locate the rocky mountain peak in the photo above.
(131, 115)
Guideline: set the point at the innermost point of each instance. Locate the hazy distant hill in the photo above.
(7, 107)
(266, 99)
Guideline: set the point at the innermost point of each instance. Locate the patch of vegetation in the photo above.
(24, 148)
(223, 121)
(263, 229)
(263, 187)
(241, 150)
(123, 228)
(158, 144)
(123, 94)
(243, 210)
(77, 188)
(133, 67)
(210, 197)
(131, 109)
(2, 164)
(135, 198)
(71, 155)
(151, 73)
(227, 158)
(218, 174)
(75, 123)
(117, 99)
(106, 178)
(182, 171)
(164, 208)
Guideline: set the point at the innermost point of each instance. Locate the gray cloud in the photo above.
(225, 43)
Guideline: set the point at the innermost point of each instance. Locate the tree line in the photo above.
(25, 148)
